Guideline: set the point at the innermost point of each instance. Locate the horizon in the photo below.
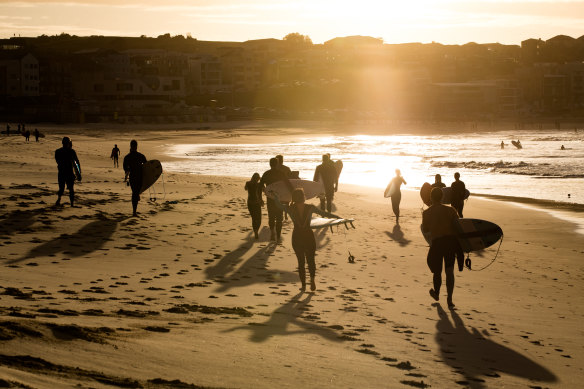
(448, 22)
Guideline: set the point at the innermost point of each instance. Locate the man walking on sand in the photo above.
(440, 221)
(327, 174)
(65, 157)
(275, 213)
(458, 192)
(115, 155)
(133, 162)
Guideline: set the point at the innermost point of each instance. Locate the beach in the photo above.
(183, 296)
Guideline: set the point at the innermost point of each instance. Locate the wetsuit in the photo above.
(254, 204)
(458, 192)
(396, 198)
(115, 155)
(327, 174)
(275, 213)
(65, 158)
(133, 162)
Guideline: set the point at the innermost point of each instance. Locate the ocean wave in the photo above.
(480, 165)
(538, 170)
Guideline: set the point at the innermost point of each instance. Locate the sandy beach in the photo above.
(183, 296)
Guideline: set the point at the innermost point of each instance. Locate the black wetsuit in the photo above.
(254, 204)
(115, 155)
(396, 198)
(275, 213)
(133, 162)
(327, 174)
(458, 192)
(65, 158)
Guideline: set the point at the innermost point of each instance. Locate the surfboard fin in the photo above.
(351, 223)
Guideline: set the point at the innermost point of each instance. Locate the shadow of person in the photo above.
(283, 318)
(230, 260)
(397, 235)
(473, 355)
(88, 239)
(20, 221)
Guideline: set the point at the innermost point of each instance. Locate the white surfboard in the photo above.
(390, 190)
(311, 189)
(322, 222)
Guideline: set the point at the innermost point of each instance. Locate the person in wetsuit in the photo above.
(303, 241)
(440, 221)
(65, 157)
(287, 172)
(254, 202)
(438, 182)
(398, 180)
(115, 155)
(132, 164)
(458, 192)
(327, 174)
(275, 214)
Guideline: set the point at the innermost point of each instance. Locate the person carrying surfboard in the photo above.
(327, 174)
(66, 157)
(438, 182)
(394, 192)
(254, 203)
(458, 192)
(303, 241)
(275, 214)
(440, 220)
(287, 172)
(132, 165)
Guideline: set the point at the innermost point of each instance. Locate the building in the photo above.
(19, 74)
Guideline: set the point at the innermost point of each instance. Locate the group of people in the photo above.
(22, 130)
(66, 157)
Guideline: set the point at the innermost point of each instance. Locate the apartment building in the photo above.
(19, 74)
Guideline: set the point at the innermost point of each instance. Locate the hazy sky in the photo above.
(444, 21)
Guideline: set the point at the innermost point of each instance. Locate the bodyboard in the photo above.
(151, 170)
(517, 144)
(425, 191)
(339, 167)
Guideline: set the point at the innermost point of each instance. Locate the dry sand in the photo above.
(183, 296)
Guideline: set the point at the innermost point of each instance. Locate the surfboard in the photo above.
(447, 195)
(311, 189)
(322, 222)
(473, 234)
(339, 167)
(151, 170)
(390, 190)
(426, 190)
(76, 171)
(517, 144)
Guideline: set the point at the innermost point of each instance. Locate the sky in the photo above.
(442, 21)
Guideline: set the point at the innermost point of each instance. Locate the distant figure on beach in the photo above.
(562, 148)
(303, 241)
(27, 135)
(254, 203)
(65, 157)
(132, 165)
(397, 181)
(36, 134)
(458, 192)
(327, 174)
(502, 145)
(7, 129)
(438, 182)
(287, 172)
(115, 155)
(275, 215)
(439, 220)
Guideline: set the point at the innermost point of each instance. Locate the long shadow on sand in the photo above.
(398, 236)
(20, 221)
(88, 239)
(473, 355)
(282, 318)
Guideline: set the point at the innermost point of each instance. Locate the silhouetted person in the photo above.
(502, 145)
(115, 155)
(562, 148)
(36, 134)
(438, 182)
(7, 129)
(398, 180)
(287, 172)
(133, 162)
(275, 215)
(254, 202)
(458, 192)
(27, 135)
(440, 221)
(65, 157)
(327, 174)
(303, 241)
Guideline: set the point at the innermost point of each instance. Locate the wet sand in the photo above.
(183, 295)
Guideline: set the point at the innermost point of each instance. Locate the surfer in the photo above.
(132, 165)
(115, 155)
(440, 220)
(254, 202)
(327, 174)
(303, 241)
(7, 129)
(458, 192)
(562, 148)
(275, 215)
(287, 172)
(36, 134)
(65, 157)
(397, 181)
(438, 182)
(502, 145)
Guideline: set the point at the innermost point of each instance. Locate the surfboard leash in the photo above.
(467, 262)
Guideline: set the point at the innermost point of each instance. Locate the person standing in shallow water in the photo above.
(303, 241)
(458, 192)
(65, 157)
(115, 155)
(254, 203)
(440, 221)
(132, 164)
(398, 180)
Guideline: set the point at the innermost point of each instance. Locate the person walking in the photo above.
(327, 174)
(458, 194)
(65, 158)
(397, 181)
(132, 165)
(254, 203)
(115, 155)
(440, 220)
(37, 134)
(275, 215)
